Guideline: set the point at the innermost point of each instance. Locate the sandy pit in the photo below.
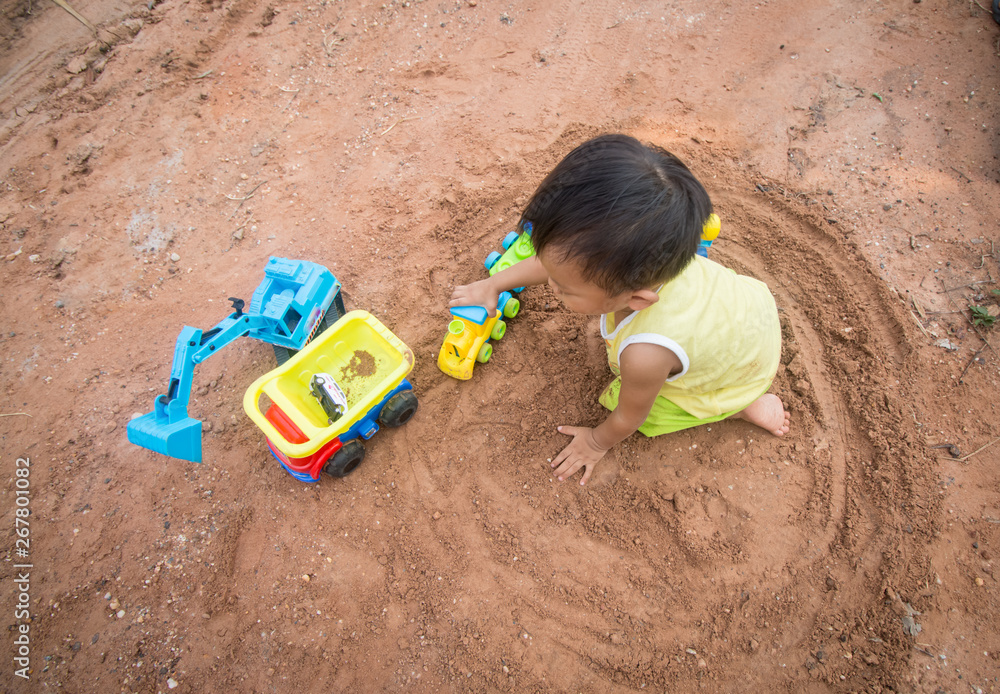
(151, 169)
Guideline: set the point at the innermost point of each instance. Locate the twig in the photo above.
(981, 448)
(401, 120)
(960, 174)
(16, 414)
(982, 259)
(964, 286)
(244, 198)
(975, 358)
(203, 75)
(920, 325)
(981, 7)
(326, 41)
(244, 224)
(76, 15)
(290, 91)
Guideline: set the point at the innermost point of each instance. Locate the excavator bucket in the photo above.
(168, 430)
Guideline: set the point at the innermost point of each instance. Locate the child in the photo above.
(616, 227)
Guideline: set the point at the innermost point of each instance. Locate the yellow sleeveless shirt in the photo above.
(722, 326)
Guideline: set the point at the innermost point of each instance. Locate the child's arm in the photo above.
(525, 273)
(644, 368)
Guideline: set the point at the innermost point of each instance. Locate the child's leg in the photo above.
(664, 418)
(768, 413)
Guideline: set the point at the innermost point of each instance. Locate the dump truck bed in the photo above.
(362, 355)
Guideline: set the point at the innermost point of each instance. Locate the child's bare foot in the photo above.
(768, 413)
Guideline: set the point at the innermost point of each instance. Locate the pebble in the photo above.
(238, 234)
(979, 581)
(174, 257)
(34, 257)
(59, 304)
(171, 683)
(110, 426)
(120, 614)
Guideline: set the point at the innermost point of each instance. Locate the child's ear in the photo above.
(642, 298)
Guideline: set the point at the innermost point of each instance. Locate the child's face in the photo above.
(578, 294)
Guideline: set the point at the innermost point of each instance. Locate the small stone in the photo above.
(238, 234)
(683, 501)
(174, 257)
(110, 426)
(171, 683)
(114, 605)
(120, 614)
(34, 257)
(436, 515)
(77, 65)
(306, 578)
(979, 581)
(59, 303)
(206, 615)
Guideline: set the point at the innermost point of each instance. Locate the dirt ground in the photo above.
(851, 150)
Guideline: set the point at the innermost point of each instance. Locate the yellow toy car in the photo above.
(469, 335)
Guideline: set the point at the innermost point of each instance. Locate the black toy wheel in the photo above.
(398, 410)
(283, 354)
(343, 462)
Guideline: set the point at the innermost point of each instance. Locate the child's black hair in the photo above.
(630, 214)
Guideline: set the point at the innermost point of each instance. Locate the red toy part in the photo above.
(310, 465)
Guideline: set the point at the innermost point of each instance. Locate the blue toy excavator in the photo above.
(292, 305)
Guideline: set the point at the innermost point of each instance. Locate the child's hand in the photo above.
(583, 451)
(479, 293)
